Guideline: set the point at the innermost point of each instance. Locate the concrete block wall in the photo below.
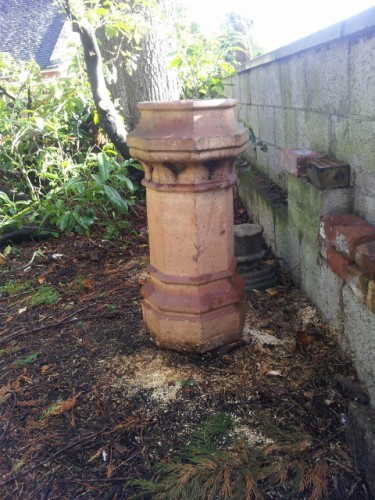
(316, 94)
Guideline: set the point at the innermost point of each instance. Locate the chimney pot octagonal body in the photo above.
(194, 300)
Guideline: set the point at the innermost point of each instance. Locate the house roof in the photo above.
(30, 29)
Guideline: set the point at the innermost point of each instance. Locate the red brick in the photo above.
(295, 160)
(337, 262)
(365, 258)
(370, 299)
(329, 223)
(357, 281)
(348, 238)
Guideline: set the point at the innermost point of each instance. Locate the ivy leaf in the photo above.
(104, 167)
(126, 180)
(116, 199)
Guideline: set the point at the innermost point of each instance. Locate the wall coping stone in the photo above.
(364, 21)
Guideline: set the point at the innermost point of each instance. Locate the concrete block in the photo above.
(248, 242)
(365, 258)
(309, 261)
(327, 78)
(266, 219)
(244, 88)
(361, 435)
(364, 191)
(359, 328)
(312, 130)
(352, 140)
(361, 137)
(241, 112)
(252, 118)
(262, 162)
(275, 172)
(307, 204)
(325, 173)
(327, 295)
(271, 82)
(293, 81)
(357, 281)
(295, 161)
(364, 204)
(267, 124)
(362, 76)
(230, 86)
(286, 129)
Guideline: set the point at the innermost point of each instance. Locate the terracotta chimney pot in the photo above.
(194, 300)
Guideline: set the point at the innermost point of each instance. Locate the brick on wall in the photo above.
(348, 244)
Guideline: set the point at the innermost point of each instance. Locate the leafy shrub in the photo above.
(52, 149)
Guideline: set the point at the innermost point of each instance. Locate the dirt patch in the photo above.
(88, 402)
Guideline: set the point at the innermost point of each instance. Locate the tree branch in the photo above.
(109, 118)
(4, 92)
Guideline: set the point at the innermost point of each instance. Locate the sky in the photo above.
(277, 22)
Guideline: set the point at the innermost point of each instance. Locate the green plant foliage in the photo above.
(51, 409)
(45, 294)
(252, 138)
(214, 466)
(14, 287)
(201, 62)
(5, 352)
(28, 360)
(236, 35)
(49, 151)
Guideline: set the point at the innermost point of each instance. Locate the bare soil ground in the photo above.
(88, 403)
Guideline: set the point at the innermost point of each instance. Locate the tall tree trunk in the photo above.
(152, 79)
(109, 118)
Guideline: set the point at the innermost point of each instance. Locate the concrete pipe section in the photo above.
(194, 300)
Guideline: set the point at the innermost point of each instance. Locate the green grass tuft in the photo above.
(44, 295)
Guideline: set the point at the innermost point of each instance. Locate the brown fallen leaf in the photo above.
(96, 455)
(64, 406)
(120, 448)
(30, 403)
(110, 471)
(88, 283)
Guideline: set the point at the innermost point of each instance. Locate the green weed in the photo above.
(5, 352)
(46, 294)
(110, 307)
(51, 409)
(213, 466)
(28, 360)
(14, 287)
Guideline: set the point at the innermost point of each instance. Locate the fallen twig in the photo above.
(53, 456)
(7, 425)
(66, 319)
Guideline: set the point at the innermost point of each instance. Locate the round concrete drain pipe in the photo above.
(194, 300)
